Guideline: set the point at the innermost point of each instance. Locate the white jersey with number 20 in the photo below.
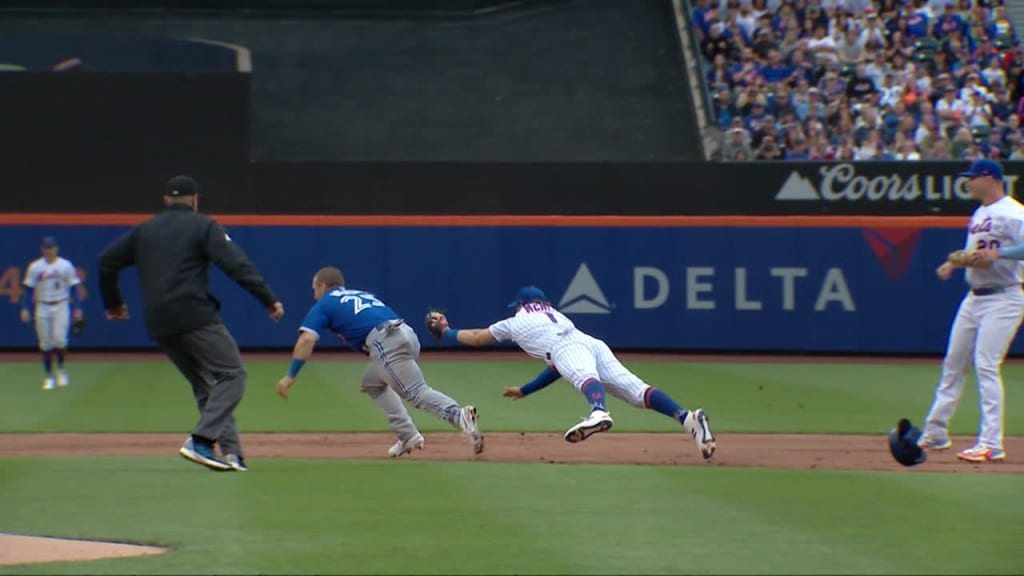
(998, 225)
(545, 333)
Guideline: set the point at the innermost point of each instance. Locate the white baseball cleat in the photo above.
(468, 424)
(698, 425)
(49, 383)
(62, 378)
(401, 448)
(598, 421)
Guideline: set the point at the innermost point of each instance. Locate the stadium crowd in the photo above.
(863, 80)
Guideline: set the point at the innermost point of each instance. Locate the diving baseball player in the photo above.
(988, 317)
(366, 324)
(586, 362)
(48, 284)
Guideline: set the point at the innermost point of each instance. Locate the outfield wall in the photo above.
(690, 284)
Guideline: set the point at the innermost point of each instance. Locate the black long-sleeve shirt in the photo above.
(173, 251)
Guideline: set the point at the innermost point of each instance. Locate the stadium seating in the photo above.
(863, 79)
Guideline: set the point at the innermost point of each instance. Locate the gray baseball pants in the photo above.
(209, 359)
(393, 373)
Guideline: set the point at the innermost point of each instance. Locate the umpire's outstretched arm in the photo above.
(230, 258)
(117, 256)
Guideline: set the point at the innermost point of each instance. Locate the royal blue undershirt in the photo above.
(543, 380)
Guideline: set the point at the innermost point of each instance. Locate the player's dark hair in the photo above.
(330, 276)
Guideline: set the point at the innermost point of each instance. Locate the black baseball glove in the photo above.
(437, 323)
(78, 326)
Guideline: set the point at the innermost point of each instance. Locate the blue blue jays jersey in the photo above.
(351, 314)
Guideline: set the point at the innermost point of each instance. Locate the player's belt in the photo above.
(993, 290)
(51, 303)
(382, 326)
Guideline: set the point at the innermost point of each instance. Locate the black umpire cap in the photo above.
(182, 186)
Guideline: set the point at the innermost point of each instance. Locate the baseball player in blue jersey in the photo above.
(366, 324)
(586, 362)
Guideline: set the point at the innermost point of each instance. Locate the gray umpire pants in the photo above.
(209, 359)
(393, 373)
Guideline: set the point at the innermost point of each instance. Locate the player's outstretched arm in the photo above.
(470, 337)
(302, 352)
(548, 376)
(1009, 253)
(437, 325)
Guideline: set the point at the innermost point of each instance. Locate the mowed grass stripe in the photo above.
(783, 398)
(482, 518)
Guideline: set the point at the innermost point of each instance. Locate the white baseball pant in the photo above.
(52, 325)
(580, 358)
(983, 328)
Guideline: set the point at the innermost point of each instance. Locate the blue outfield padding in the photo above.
(769, 289)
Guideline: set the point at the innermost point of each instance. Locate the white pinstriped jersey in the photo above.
(51, 281)
(998, 225)
(537, 328)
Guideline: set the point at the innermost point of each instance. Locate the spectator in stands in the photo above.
(1018, 150)
(875, 68)
(720, 77)
(870, 144)
(799, 151)
(993, 146)
(950, 22)
(811, 108)
(746, 72)
(766, 130)
(950, 110)
(907, 150)
(823, 46)
(977, 112)
(919, 21)
(716, 43)
(922, 79)
(922, 72)
(963, 143)
(746, 19)
(727, 109)
(702, 16)
(860, 85)
(737, 143)
(769, 150)
(927, 132)
(994, 75)
(851, 47)
(1002, 109)
(873, 35)
(973, 85)
(939, 150)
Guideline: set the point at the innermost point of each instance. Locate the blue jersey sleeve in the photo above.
(316, 320)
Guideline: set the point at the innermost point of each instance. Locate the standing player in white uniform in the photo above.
(48, 284)
(586, 362)
(987, 320)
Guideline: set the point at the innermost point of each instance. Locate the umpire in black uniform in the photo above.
(173, 251)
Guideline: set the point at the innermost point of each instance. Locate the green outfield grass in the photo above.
(417, 517)
(811, 398)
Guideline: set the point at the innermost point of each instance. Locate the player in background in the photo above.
(366, 324)
(988, 317)
(586, 362)
(48, 284)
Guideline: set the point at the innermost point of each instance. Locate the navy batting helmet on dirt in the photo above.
(903, 444)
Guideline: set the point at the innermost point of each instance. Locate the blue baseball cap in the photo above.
(528, 294)
(48, 242)
(984, 167)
